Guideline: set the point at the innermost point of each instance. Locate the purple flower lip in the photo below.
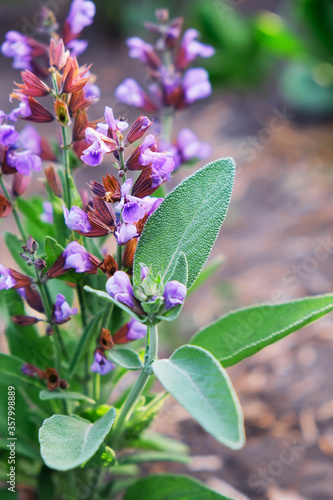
(77, 257)
(8, 135)
(129, 92)
(24, 162)
(6, 279)
(174, 294)
(77, 220)
(190, 48)
(47, 215)
(196, 85)
(81, 15)
(119, 287)
(62, 311)
(101, 364)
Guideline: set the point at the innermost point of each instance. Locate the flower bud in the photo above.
(5, 206)
(62, 113)
(52, 378)
(39, 264)
(53, 181)
(23, 320)
(138, 129)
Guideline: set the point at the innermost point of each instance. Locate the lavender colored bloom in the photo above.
(77, 257)
(77, 47)
(190, 147)
(101, 364)
(125, 232)
(132, 212)
(30, 139)
(77, 220)
(95, 153)
(174, 294)
(62, 310)
(136, 330)
(24, 162)
(92, 91)
(150, 204)
(8, 135)
(81, 14)
(196, 84)
(22, 111)
(16, 46)
(162, 163)
(138, 49)
(129, 92)
(47, 215)
(120, 288)
(6, 279)
(192, 48)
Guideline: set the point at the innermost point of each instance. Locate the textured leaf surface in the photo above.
(242, 333)
(127, 358)
(188, 220)
(168, 486)
(45, 395)
(200, 384)
(67, 442)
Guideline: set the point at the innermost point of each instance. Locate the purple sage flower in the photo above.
(76, 47)
(190, 147)
(132, 212)
(161, 163)
(136, 330)
(6, 279)
(174, 294)
(119, 287)
(101, 364)
(77, 257)
(144, 272)
(62, 310)
(24, 162)
(77, 220)
(81, 14)
(22, 111)
(92, 91)
(8, 135)
(125, 232)
(16, 46)
(190, 48)
(196, 84)
(94, 155)
(139, 49)
(129, 92)
(47, 215)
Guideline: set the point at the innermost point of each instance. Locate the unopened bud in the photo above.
(20, 183)
(53, 181)
(162, 15)
(39, 264)
(22, 320)
(138, 129)
(62, 113)
(63, 384)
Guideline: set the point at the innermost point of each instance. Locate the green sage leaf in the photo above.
(45, 395)
(69, 441)
(244, 332)
(188, 220)
(200, 384)
(169, 486)
(127, 358)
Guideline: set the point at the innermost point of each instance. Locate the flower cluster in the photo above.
(151, 297)
(172, 84)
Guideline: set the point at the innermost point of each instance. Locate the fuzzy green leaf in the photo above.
(188, 220)
(244, 332)
(200, 384)
(169, 486)
(76, 396)
(67, 442)
(127, 358)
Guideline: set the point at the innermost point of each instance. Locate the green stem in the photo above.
(97, 387)
(16, 216)
(136, 391)
(83, 309)
(119, 256)
(166, 118)
(66, 164)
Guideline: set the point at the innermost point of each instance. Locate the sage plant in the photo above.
(97, 272)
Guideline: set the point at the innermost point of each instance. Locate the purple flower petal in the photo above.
(136, 330)
(77, 220)
(81, 14)
(77, 257)
(119, 287)
(174, 294)
(196, 84)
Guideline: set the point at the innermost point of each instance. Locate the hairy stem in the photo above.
(136, 391)
(65, 155)
(15, 214)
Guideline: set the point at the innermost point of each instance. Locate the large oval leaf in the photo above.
(244, 332)
(169, 486)
(188, 220)
(200, 384)
(67, 442)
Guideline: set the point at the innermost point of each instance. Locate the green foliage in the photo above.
(14, 245)
(11, 372)
(199, 383)
(127, 358)
(188, 221)
(75, 396)
(244, 332)
(67, 442)
(167, 486)
(106, 296)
